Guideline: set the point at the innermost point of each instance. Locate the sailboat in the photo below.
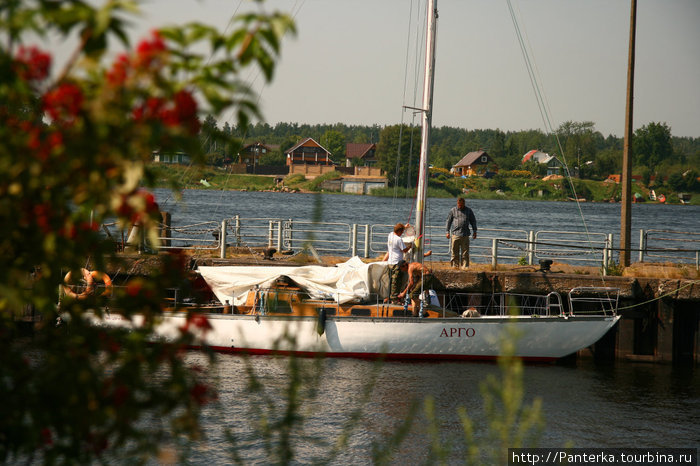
(341, 312)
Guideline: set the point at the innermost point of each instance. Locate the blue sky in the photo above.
(349, 64)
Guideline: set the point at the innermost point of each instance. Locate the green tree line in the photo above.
(656, 152)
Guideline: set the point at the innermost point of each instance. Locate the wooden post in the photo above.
(626, 214)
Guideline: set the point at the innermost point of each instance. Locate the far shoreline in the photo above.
(441, 186)
(465, 196)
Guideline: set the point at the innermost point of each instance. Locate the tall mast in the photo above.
(626, 214)
(427, 111)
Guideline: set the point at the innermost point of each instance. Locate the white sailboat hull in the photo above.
(539, 338)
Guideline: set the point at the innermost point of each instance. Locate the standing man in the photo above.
(395, 251)
(458, 221)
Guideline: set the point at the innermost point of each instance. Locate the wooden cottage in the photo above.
(250, 154)
(476, 163)
(360, 154)
(171, 157)
(308, 152)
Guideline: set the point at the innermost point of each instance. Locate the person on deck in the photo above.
(420, 279)
(458, 221)
(395, 251)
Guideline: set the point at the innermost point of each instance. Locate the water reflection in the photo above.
(621, 405)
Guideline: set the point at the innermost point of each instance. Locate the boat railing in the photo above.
(589, 300)
(582, 301)
(554, 301)
(504, 304)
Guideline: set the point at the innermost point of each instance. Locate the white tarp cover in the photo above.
(342, 283)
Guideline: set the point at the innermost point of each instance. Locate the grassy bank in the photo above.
(440, 186)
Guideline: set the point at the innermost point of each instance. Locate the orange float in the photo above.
(70, 290)
(104, 278)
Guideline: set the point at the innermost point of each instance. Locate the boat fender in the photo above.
(321, 324)
(104, 278)
(70, 291)
(471, 312)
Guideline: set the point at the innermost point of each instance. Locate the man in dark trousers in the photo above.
(458, 221)
(420, 279)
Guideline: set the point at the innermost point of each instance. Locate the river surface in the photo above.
(584, 404)
(204, 205)
(198, 206)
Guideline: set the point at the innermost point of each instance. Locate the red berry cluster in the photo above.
(181, 112)
(63, 103)
(31, 64)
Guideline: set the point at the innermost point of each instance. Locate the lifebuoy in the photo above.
(104, 278)
(68, 289)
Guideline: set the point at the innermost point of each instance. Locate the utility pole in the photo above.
(626, 214)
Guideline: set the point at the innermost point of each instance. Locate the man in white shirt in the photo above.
(395, 251)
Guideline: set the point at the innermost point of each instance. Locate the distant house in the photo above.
(308, 152)
(250, 154)
(477, 163)
(175, 157)
(554, 166)
(365, 154)
(536, 156)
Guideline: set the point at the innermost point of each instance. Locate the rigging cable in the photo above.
(535, 81)
(403, 110)
(421, 38)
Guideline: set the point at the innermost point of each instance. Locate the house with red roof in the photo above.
(554, 166)
(250, 154)
(308, 152)
(477, 163)
(360, 154)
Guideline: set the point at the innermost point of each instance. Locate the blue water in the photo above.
(202, 205)
(587, 405)
(622, 405)
(198, 206)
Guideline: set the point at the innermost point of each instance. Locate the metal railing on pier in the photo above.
(492, 245)
(654, 244)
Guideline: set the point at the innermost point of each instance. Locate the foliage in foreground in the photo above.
(73, 153)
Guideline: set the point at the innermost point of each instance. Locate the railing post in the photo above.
(291, 234)
(222, 238)
(611, 244)
(165, 233)
(642, 245)
(604, 259)
(494, 252)
(238, 230)
(366, 241)
(697, 260)
(353, 240)
(530, 247)
(269, 233)
(279, 235)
